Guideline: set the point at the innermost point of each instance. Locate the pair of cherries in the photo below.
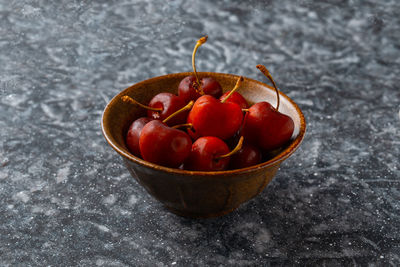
(212, 120)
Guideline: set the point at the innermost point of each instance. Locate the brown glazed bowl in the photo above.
(197, 194)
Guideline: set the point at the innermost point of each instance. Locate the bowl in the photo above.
(197, 194)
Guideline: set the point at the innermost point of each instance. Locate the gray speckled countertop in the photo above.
(67, 200)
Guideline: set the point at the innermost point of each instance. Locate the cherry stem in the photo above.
(129, 99)
(236, 149)
(264, 70)
(187, 107)
(189, 125)
(201, 41)
(237, 85)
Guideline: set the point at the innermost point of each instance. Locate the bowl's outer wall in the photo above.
(201, 196)
(190, 194)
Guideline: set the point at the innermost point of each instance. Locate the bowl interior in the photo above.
(118, 115)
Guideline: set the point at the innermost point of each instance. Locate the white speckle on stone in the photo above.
(51, 112)
(103, 228)
(14, 100)
(50, 212)
(22, 196)
(263, 240)
(173, 263)
(233, 19)
(3, 175)
(314, 151)
(132, 200)
(312, 15)
(264, 236)
(37, 209)
(109, 200)
(47, 244)
(99, 262)
(30, 11)
(356, 23)
(62, 174)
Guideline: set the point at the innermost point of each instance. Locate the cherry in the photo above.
(169, 103)
(164, 145)
(133, 134)
(212, 117)
(162, 106)
(247, 156)
(191, 87)
(236, 98)
(210, 153)
(264, 125)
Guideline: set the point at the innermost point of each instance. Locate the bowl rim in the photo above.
(289, 150)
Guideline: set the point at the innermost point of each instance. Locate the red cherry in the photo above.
(264, 125)
(168, 103)
(133, 134)
(191, 87)
(208, 85)
(247, 156)
(186, 89)
(236, 98)
(210, 117)
(164, 145)
(162, 106)
(204, 155)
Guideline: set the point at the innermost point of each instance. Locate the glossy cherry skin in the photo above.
(236, 98)
(248, 155)
(211, 87)
(164, 145)
(266, 127)
(169, 104)
(133, 134)
(187, 91)
(210, 117)
(204, 153)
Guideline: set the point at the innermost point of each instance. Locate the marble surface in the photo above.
(67, 200)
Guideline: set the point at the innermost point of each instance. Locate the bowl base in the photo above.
(199, 215)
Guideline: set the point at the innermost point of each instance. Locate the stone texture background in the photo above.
(67, 200)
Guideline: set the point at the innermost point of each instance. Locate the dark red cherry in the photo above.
(186, 89)
(236, 98)
(133, 134)
(205, 153)
(248, 155)
(168, 103)
(164, 145)
(208, 86)
(264, 125)
(162, 106)
(191, 87)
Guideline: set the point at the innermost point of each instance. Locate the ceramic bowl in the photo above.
(197, 194)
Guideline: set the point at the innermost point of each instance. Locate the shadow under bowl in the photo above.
(197, 194)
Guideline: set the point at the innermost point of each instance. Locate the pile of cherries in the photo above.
(202, 129)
